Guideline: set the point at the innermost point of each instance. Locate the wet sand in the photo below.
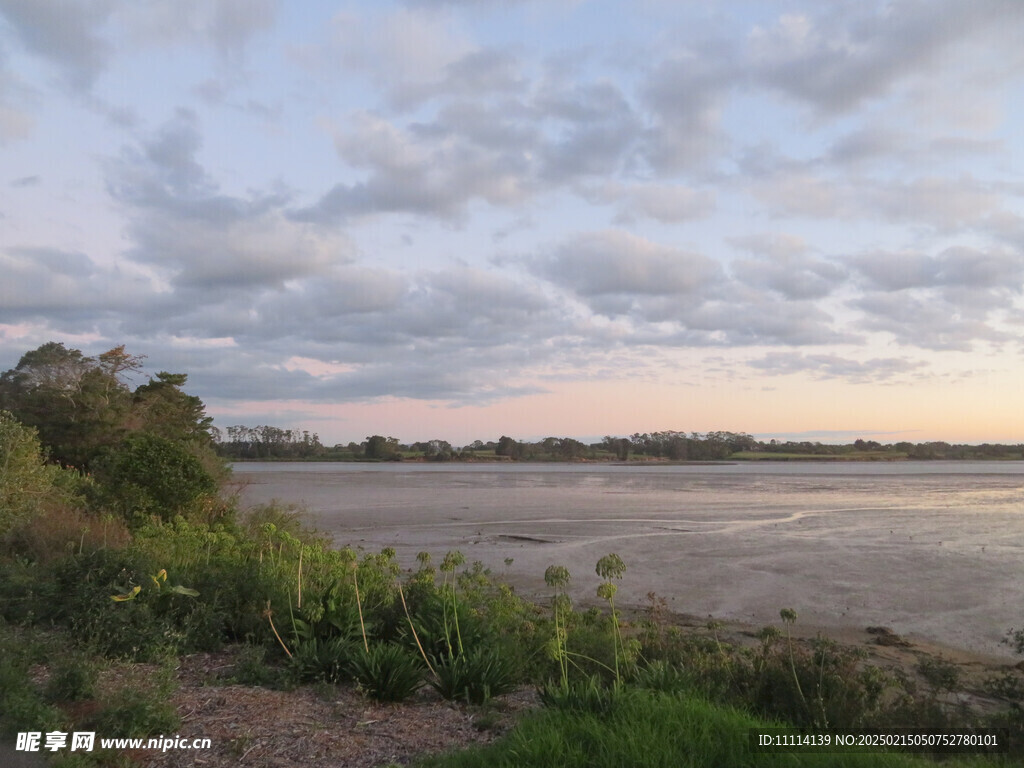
(934, 555)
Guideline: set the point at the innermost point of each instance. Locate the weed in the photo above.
(141, 708)
(72, 678)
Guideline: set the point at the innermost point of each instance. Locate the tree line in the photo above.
(271, 443)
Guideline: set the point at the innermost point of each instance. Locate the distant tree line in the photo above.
(264, 442)
(274, 443)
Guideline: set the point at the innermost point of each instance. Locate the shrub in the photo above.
(324, 660)
(72, 678)
(388, 672)
(26, 481)
(22, 708)
(475, 675)
(146, 474)
(142, 707)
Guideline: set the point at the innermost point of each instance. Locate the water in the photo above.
(927, 548)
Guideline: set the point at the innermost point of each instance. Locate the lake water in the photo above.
(928, 548)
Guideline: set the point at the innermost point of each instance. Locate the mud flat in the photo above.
(931, 550)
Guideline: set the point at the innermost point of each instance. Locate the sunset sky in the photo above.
(462, 219)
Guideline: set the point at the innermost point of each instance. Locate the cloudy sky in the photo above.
(467, 218)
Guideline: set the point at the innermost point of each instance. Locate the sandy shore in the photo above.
(929, 556)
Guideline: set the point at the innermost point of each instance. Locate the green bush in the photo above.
(324, 660)
(72, 678)
(146, 474)
(251, 667)
(22, 707)
(388, 672)
(26, 481)
(475, 675)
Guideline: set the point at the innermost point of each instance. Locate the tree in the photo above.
(25, 480)
(147, 474)
(508, 447)
(163, 408)
(82, 406)
(76, 403)
(380, 447)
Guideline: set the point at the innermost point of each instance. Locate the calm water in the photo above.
(924, 547)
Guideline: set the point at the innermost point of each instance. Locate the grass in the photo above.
(653, 730)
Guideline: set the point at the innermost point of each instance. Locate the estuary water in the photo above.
(934, 549)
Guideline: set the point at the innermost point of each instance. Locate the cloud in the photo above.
(65, 289)
(931, 322)
(67, 34)
(857, 52)
(667, 203)
(685, 94)
(827, 366)
(614, 262)
(430, 175)
(941, 203)
(782, 264)
(203, 240)
(956, 267)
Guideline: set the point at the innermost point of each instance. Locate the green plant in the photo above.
(140, 708)
(474, 676)
(588, 695)
(608, 568)
(72, 678)
(388, 672)
(324, 660)
(451, 561)
(22, 708)
(146, 474)
(942, 675)
(661, 676)
(251, 667)
(557, 577)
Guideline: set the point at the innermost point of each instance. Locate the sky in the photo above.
(461, 219)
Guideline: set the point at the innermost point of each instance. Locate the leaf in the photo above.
(127, 596)
(180, 590)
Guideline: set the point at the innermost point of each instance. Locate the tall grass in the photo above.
(652, 730)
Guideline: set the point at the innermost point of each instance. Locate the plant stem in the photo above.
(300, 577)
(416, 637)
(359, 606)
(270, 618)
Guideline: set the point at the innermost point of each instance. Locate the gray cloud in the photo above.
(957, 267)
(685, 94)
(200, 239)
(66, 289)
(25, 181)
(782, 264)
(837, 62)
(929, 323)
(64, 33)
(615, 262)
(826, 366)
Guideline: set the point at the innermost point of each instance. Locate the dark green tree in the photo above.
(79, 405)
(147, 474)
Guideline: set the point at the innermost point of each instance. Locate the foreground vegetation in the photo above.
(117, 548)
